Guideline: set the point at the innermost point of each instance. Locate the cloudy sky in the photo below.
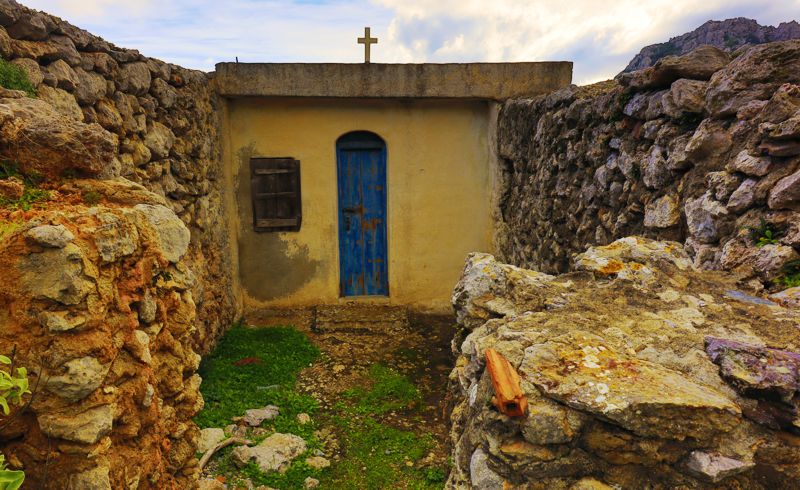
(600, 36)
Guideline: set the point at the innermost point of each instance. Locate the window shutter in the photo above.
(275, 191)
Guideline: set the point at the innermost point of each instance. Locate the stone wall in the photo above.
(696, 149)
(639, 372)
(161, 116)
(117, 280)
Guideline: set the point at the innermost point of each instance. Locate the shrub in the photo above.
(13, 77)
(13, 386)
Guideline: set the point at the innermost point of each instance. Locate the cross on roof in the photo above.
(366, 41)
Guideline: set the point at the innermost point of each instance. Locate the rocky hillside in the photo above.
(639, 371)
(729, 35)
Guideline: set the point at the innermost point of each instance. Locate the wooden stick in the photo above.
(227, 442)
(509, 398)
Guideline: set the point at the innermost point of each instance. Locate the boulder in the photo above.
(750, 165)
(706, 219)
(134, 78)
(96, 478)
(755, 75)
(685, 97)
(91, 87)
(31, 69)
(65, 76)
(41, 140)
(625, 383)
(699, 64)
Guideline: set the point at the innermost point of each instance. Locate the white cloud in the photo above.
(599, 36)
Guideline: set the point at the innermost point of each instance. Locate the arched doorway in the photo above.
(361, 171)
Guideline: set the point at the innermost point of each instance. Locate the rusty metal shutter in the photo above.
(275, 192)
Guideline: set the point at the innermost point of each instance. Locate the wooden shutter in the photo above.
(275, 188)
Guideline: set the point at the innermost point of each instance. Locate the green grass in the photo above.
(389, 391)
(376, 454)
(250, 368)
(13, 77)
(272, 358)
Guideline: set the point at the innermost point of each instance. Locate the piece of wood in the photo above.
(227, 442)
(509, 398)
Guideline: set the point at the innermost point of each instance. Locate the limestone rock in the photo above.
(708, 141)
(274, 453)
(254, 417)
(706, 219)
(786, 193)
(86, 427)
(81, 377)
(164, 93)
(750, 165)
(481, 476)
(60, 321)
(618, 374)
(662, 212)
(754, 75)
(589, 484)
(715, 467)
(56, 274)
(699, 64)
(318, 462)
(63, 103)
(147, 308)
(743, 197)
(310, 482)
(115, 238)
(159, 140)
(95, 479)
(211, 484)
(685, 97)
(135, 78)
(637, 395)
(91, 87)
(171, 232)
(50, 236)
(790, 298)
(65, 76)
(38, 139)
(209, 438)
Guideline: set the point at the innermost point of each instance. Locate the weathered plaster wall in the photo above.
(697, 150)
(439, 188)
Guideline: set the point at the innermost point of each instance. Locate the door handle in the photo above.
(353, 210)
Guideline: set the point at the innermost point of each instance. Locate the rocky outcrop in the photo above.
(729, 35)
(639, 371)
(699, 149)
(98, 303)
(148, 121)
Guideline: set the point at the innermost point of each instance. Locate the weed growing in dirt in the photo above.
(390, 391)
(31, 195)
(376, 455)
(791, 274)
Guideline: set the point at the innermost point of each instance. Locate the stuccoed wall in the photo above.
(161, 115)
(695, 149)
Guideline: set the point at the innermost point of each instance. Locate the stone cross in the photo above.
(366, 41)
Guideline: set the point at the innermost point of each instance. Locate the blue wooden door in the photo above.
(361, 168)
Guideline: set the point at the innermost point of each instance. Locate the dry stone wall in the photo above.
(116, 282)
(696, 149)
(161, 120)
